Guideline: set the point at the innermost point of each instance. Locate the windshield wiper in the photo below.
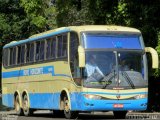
(128, 79)
(108, 78)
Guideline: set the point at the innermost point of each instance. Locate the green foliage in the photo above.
(35, 11)
(51, 14)
(71, 13)
(21, 18)
(11, 20)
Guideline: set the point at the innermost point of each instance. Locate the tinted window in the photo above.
(37, 50)
(74, 55)
(51, 48)
(62, 46)
(96, 40)
(12, 56)
(27, 52)
(19, 55)
(48, 48)
(42, 44)
(31, 52)
(5, 57)
(22, 54)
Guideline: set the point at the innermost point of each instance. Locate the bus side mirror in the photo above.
(154, 54)
(81, 54)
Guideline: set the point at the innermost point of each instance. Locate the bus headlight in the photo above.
(141, 96)
(89, 96)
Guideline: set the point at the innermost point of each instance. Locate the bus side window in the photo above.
(12, 56)
(27, 53)
(64, 49)
(5, 57)
(22, 54)
(75, 70)
(37, 50)
(53, 47)
(62, 45)
(31, 52)
(48, 49)
(41, 52)
(19, 55)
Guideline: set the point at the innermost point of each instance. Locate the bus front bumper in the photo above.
(114, 105)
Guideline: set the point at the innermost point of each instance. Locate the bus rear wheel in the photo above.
(119, 114)
(67, 112)
(18, 108)
(27, 111)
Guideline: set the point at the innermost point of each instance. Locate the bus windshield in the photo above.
(112, 69)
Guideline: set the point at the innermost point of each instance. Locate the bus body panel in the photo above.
(44, 84)
(45, 81)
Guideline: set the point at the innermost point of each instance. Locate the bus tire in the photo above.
(119, 114)
(67, 112)
(18, 109)
(26, 110)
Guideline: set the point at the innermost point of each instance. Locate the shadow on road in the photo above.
(82, 116)
(48, 115)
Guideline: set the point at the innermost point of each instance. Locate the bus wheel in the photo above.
(67, 112)
(119, 114)
(18, 108)
(27, 111)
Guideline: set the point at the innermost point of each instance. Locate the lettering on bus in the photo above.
(34, 71)
(25, 72)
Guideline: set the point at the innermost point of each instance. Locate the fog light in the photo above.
(89, 96)
(141, 96)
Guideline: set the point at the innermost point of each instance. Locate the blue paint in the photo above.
(102, 105)
(8, 100)
(78, 102)
(37, 100)
(44, 100)
(10, 74)
(37, 38)
(31, 72)
(118, 44)
(95, 41)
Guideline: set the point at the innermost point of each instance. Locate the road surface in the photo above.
(47, 115)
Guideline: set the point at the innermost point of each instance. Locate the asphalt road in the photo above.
(47, 115)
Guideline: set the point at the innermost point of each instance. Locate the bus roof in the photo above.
(43, 35)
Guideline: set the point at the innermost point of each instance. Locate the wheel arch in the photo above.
(25, 92)
(64, 92)
(20, 98)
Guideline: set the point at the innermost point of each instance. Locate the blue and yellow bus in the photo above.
(77, 69)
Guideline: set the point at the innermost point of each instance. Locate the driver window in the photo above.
(75, 70)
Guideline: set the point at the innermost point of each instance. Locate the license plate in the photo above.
(118, 105)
